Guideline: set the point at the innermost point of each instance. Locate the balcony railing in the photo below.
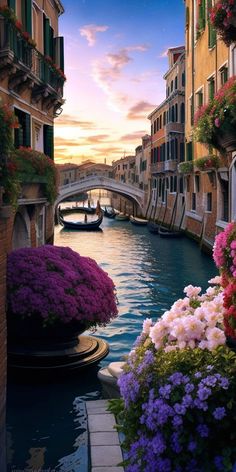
(158, 167)
(171, 165)
(17, 52)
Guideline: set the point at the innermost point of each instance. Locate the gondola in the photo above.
(167, 233)
(153, 227)
(109, 214)
(80, 225)
(122, 217)
(138, 221)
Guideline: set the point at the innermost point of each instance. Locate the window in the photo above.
(160, 187)
(181, 152)
(48, 141)
(197, 183)
(191, 110)
(171, 86)
(211, 88)
(209, 202)
(151, 129)
(193, 201)
(22, 135)
(211, 30)
(225, 200)
(182, 113)
(223, 75)
(189, 151)
(176, 112)
(183, 79)
(171, 184)
(164, 118)
(199, 98)
(160, 121)
(234, 60)
(202, 14)
(176, 83)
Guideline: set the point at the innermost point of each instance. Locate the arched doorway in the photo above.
(21, 231)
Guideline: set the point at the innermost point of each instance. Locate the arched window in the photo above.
(176, 112)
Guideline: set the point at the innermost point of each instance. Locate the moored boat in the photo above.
(80, 225)
(109, 213)
(122, 217)
(167, 233)
(153, 227)
(138, 221)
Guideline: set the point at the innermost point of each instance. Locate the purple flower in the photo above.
(203, 393)
(219, 413)
(203, 430)
(192, 446)
(165, 391)
(218, 461)
(217, 122)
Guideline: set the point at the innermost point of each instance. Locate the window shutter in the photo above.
(12, 4)
(189, 151)
(59, 51)
(28, 16)
(27, 130)
(202, 14)
(18, 138)
(211, 30)
(51, 43)
(46, 36)
(48, 138)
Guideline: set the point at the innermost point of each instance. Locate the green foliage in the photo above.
(208, 162)
(186, 167)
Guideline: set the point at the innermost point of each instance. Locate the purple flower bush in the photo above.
(57, 284)
(178, 410)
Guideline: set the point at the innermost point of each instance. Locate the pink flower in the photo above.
(217, 122)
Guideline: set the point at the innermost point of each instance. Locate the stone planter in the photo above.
(227, 141)
(61, 348)
(5, 211)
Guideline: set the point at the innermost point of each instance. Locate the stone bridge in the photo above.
(129, 191)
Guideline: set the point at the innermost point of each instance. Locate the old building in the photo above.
(208, 67)
(167, 149)
(67, 173)
(31, 85)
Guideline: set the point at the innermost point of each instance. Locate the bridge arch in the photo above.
(129, 191)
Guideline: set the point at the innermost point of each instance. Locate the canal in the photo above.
(46, 424)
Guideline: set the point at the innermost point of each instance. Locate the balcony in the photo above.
(27, 68)
(170, 165)
(157, 168)
(173, 127)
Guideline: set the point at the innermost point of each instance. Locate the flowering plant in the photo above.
(207, 162)
(218, 117)
(185, 167)
(224, 254)
(178, 411)
(56, 285)
(194, 321)
(34, 166)
(221, 17)
(10, 16)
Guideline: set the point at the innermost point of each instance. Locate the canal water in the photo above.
(46, 423)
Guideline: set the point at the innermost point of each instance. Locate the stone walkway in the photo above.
(105, 450)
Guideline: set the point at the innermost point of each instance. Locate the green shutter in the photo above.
(51, 43)
(189, 151)
(211, 30)
(202, 15)
(28, 16)
(12, 4)
(46, 36)
(27, 130)
(48, 137)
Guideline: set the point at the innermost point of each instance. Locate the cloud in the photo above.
(133, 136)
(63, 143)
(108, 70)
(90, 31)
(105, 151)
(68, 120)
(140, 110)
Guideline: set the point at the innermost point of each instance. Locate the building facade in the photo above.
(209, 64)
(31, 85)
(166, 202)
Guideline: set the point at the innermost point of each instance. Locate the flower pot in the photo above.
(30, 191)
(227, 141)
(31, 333)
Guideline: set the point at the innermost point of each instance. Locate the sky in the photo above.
(115, 59)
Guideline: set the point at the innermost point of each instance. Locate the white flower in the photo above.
(191, 291)
(217, 280)
(147, 325)
(215, 337)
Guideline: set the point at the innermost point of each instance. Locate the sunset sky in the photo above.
(115, 58)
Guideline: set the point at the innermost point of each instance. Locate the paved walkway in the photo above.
(105, 451)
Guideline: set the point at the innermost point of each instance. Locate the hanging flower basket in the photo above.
(185, 167)
(215, 123)
(223, 19)
(207, 163)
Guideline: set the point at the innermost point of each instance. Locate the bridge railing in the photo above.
(102, 181)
